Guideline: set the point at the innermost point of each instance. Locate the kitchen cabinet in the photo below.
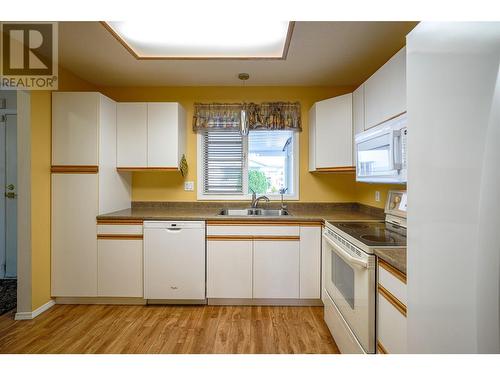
(174, 260)
(358, 110)
(276, 269)
(119, 267)
(263, 261)
(132, 134)
(391, 310)
(331, 134)
(75, 128)
(385, 91)
(85, 183)
(229, 268)
(310, 261)
(150, 136)
(74, 244)
(119, 261)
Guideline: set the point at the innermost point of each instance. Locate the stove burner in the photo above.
(354, 225)
(375, 238)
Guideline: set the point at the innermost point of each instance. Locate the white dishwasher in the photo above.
(174, 260)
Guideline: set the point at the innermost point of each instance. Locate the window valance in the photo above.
(247, 116)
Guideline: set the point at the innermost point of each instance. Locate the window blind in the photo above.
(223, 162)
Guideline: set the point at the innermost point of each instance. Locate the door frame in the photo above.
(24, 286)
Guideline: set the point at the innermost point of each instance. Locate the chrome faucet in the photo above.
(282, 192)
(255, 199)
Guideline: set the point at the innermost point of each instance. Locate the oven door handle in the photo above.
(344, 255)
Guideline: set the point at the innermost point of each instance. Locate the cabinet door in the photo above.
(163, 135)
(75, 117)
(333, 133)
(74, 241)
(391, 327)
(229, 269)
(276, 269)
(310, 262)
(120, 268)
(358, 110)
(385, 91)
(131, 134)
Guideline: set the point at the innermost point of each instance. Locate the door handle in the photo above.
(11, 195)
(10, 187)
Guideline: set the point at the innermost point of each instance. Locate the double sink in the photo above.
(253, 212)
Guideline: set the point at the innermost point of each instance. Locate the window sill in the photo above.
(206, 197)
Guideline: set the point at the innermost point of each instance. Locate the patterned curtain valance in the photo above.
(247, 116)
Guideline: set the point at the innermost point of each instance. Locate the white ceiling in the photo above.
(320, 54)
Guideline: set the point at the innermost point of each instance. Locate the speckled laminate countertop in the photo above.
(396, 257)
(210, 211)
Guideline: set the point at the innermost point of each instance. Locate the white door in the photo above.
(229, 269)
(119, 268)
(74, 235)
(8, 195)
(11, 196)
(334, 132)
(276, 269)
(163, 134)
(131, 134)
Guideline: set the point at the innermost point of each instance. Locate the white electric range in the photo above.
(349, 284)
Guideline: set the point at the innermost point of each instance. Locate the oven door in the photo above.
(350, 283)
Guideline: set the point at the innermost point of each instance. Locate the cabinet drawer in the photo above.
(392, 280)
(119, 229)
(391, 327)
(253, 230)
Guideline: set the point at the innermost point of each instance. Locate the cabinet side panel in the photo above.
(114, 187)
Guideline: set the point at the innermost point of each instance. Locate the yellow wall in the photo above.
(41, 109)
(154, 186)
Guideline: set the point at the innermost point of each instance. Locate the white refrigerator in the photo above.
(453, 88)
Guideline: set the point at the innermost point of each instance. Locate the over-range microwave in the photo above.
(381, 154)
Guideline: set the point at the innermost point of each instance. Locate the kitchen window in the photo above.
(231, 165)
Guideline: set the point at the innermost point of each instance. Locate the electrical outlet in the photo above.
(189, 186)
(377, 196)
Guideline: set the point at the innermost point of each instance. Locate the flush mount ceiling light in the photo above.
(181, 40)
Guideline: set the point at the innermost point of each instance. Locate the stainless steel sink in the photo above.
(253, 212)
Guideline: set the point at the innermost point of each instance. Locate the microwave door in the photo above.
(375, 156)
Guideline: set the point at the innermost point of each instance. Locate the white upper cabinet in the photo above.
(75, 126)
(150, 135)
(132, 134)
(385, 91)
(358, 109)
(330, 134)
(166, 129)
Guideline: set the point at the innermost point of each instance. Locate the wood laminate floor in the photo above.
(169, 329)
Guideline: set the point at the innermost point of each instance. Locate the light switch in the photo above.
(377, 196)
(189, 186)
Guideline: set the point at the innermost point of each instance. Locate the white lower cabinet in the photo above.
(119, 271)
(276, 269)
(229, 269)
(391, 310)
(263, 261)
(74, 243)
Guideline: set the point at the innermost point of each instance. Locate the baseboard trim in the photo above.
(100, 301)
(33, 314)
(264, 302)
(177, 301)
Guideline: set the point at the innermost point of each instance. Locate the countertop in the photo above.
(210, 210)
(396, 257)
